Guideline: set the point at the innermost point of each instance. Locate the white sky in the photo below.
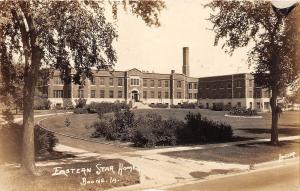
(160, 49)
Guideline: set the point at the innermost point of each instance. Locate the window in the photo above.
(239, 83)
(190, 85)
(179, 95)
(159, 95)
(102, 81)
(102, 93)
(166, 94)
(166, 83)
(93, 81)
(152, 94)
(239, 104)
(144, 94)
(57, 80)
(195, 96)
(58, 93)
(93, 93)
(152, 83)
(145, 83)
(135, 82)
(159, 83)
(251, 105)
(190, 95)
(229, 86)
(111, 94)
(120, 94)
(178, 84)
(120, 82)
(195, 86)
(266, 93)
(207, 86)
(80, 93)
(111, 81)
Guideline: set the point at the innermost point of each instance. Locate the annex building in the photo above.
(173, 88)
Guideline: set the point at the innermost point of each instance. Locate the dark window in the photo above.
(120, 94)
(58, 93)
(152, 83)
(93, 93)
(159, 83)
(144, 94)
(102, 94)
(152, 94)
(166, 94)
(120, 82)
(166, 83)
(111, 94)
(179, 95)
(159, 95)
(178, 84)
(80, 93)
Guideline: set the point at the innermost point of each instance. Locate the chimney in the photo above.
(186, 66)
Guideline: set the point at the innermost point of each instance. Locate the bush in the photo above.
(117, 128)
(240, 111)
(41, 103)
(11, 142)
(158, 105)
(218, 106)
(152, 130)
(198, 129)
(80, 103)
(185, 105)
(106, 107)
(44, 140)
(80, 110)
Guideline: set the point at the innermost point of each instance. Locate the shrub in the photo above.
(240, 111)
(11, 142)
(106, 107)
(185, 105)
(218, 106)
(41, 103)
(68, 104)
(198, 129)
(152, 130)
(80, 110)
(44, 140)
(158, 105)
(80, 103)
(117, 128)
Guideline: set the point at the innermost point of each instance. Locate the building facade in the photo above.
(173, 88)
(235, 90)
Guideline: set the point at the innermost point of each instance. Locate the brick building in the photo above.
(173, 88)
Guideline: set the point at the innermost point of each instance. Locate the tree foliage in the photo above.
(271, 35)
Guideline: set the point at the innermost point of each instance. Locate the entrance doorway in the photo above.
(135, 96)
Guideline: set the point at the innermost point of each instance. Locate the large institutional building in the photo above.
(173, 88)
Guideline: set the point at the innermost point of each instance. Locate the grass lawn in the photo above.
(71, 177)
(241, 154)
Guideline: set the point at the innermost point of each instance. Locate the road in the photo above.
(283, 178)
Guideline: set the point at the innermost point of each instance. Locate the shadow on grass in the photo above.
(55, 155)
(201, 175)
(285, 131)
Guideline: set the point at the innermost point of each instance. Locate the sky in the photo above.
(183, 24)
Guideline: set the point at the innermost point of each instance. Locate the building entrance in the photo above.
(135, 96)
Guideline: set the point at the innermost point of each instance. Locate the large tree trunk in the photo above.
(30, 78)
(274, 126)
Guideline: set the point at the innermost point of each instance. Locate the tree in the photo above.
(39, 34)
(272, 38)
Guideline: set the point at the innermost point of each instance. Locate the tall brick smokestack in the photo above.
(186, 65)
